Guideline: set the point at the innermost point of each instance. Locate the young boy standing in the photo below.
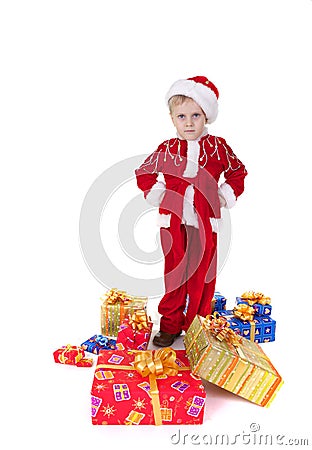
(189, 201)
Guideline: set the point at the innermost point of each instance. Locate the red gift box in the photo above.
(135, 332)
(146, 388)
(68, 354)
(85, 362)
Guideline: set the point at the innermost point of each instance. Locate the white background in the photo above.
(82, 87)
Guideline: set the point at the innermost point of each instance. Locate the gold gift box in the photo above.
(244, 369)
(117, 305)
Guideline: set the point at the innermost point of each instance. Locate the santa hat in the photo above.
(202, 91)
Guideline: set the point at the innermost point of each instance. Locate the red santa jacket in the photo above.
(192, 169)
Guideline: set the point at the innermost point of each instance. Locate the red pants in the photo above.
(189, 269)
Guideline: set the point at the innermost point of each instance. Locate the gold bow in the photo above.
(244, 312)
(159, 362)
(220, 328)
(253, 297)
(138, 320)
(115, 296)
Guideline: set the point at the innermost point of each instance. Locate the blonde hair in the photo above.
(176, 100)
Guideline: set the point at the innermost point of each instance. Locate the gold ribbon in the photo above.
(138, 320)
(152, 364)
(62, 358)
(244, 312)
(253, 297)
(220, 328)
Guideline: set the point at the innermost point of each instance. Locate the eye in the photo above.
(181, 116)
(196, 115)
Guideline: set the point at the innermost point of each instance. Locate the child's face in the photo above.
(189, 119)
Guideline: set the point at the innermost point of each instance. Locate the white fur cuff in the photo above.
(163, 220)
(228, 194)
(156, 194)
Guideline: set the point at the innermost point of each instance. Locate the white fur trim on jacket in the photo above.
(156, 194)
(228, 194)
(191, 168)
(189, 215)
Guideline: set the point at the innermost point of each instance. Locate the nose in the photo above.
(189, 121)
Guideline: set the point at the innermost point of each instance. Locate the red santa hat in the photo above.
(201, 90)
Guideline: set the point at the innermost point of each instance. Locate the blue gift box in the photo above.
(218, 302)
(260, 310)
(99, 342)
(264, 328)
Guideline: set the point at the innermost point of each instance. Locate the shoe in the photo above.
(163, 339)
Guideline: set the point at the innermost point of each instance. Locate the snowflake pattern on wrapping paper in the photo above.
(139, 403)
(100, 387)
(108, 410)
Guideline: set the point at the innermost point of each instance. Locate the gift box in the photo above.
(217, 354)
(135, 331)
(218, 302)
(116, 306)
(98, 342)
(85, 362)
(146, 388)
(68, 354)
(258, 301)
(260, 329)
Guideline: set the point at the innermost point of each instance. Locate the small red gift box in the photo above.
(68, 354)
(146, 388)
(135, 332)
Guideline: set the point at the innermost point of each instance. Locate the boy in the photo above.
(189, 201)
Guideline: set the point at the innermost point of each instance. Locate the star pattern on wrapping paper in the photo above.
(109, 410)
(100, 387)
(139, 403)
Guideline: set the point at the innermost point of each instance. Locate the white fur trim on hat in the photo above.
(201, 94)
(228, 194)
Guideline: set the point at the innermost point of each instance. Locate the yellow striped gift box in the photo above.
(244, 370)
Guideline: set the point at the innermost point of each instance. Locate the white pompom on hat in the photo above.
(201, 90)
